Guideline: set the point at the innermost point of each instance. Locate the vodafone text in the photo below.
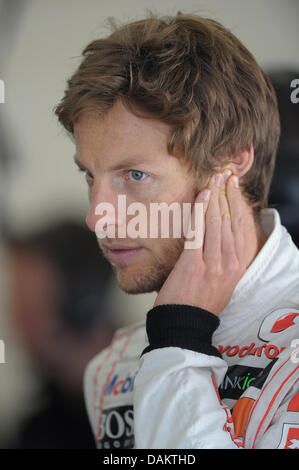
(150, 459)
(269, 350)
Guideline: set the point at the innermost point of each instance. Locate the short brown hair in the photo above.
(193, 74)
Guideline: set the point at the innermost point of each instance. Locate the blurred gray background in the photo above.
(40, 46)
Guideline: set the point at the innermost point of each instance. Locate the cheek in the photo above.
(166, 251)
(147, 192)
(175, 192)
(168, 216)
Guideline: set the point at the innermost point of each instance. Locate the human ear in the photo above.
(242, 161)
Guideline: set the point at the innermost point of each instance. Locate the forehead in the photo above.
(120, 134)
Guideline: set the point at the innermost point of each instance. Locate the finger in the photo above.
(212, 237)
(195, 232)
(237, 210)
(228, 252)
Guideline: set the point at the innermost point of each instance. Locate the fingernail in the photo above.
(236, 181)
(218, 179)
(226, 175)
(206, 194)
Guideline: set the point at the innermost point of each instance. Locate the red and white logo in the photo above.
(278, 321)
(290, 437)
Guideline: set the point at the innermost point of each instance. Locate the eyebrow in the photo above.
(79, 163)
(130, 162)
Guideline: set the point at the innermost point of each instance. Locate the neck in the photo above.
(255, 238)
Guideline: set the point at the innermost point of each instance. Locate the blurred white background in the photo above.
(41, 42)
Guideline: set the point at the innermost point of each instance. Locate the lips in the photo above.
(122, 253)
(116, 246)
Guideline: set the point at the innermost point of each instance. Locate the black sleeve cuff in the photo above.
(182, 326)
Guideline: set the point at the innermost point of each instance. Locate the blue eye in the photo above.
(88, 175)
(137, 175)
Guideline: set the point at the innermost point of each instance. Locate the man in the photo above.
(175, 109)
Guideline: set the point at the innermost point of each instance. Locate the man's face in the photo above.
(122, 154)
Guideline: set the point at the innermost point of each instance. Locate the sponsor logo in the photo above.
(277, 322)
(269, 350)
(284, 322)
(237, 380)
(290, 436)
(117, 428)
(116, 386)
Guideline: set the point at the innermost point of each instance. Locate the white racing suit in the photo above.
(188, 379)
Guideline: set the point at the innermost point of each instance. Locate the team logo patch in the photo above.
(117, 386)
(277, 322)
(117, 428)
(290, 437)
(237, 379)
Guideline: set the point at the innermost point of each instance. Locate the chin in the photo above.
(143, 282)
(148, 275)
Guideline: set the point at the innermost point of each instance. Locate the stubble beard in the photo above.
(145, 277)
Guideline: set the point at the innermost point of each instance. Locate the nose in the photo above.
(91, 219)
(103, 204)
